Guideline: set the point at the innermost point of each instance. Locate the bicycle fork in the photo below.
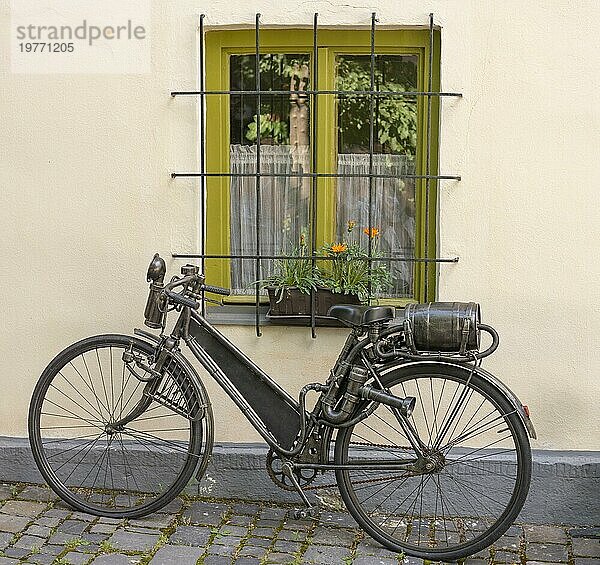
(152, 380)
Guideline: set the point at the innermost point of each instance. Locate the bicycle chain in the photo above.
(370, 444)
(275, 476)
(364, 481)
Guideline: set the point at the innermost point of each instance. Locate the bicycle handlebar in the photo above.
(183, 300)
(193, 283)
(205, 287)
(216, 289)
(191, 303)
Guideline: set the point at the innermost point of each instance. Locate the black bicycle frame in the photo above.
(282, 421)
(268, 407)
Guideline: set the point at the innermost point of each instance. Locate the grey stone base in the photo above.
(565, 487)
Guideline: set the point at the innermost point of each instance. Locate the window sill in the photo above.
(244, 315)
(236, 315)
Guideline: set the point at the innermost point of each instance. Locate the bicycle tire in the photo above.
(90, 397)
(429, 533)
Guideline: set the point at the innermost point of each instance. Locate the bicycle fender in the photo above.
(146, 335)
(482, 373)
(202, 393)
(514, 399)
(179, 357)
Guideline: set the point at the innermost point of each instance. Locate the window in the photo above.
(342, 151)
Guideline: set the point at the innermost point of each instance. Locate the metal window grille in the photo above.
(313, 94)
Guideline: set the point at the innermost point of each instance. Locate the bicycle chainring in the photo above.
(274, 469)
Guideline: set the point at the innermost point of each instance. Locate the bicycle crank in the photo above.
(274, 463)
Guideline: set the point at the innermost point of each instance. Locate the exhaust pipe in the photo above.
(355, 390)
(405, 405)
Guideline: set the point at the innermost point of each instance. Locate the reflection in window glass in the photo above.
(284, 139)
(395, 149)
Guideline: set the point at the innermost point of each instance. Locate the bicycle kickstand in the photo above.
(299, 514)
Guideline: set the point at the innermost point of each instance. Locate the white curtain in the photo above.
(284, 202)
(393, 208)
(285, 205)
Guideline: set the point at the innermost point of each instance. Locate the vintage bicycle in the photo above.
(430, 452)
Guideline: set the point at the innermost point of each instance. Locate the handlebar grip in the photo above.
(175, 297)
(216, 289)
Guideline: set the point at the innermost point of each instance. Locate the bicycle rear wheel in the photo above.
(129, 471)
(469, 488)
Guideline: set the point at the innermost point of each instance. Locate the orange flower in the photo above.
(371, 232)
(339, 248)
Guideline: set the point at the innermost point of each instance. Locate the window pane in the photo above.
(394, 148)
(394, 118)
(284, 140)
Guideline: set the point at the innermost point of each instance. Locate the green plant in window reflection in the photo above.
(395, 118)
(348, 271)
(279, 65)
(271, 127)
(278, 72)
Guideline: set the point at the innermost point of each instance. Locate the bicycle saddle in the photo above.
(361, 315)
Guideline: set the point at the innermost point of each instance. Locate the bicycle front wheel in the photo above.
(471, 484)
(115, 471)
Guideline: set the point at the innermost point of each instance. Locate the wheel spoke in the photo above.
(475, 431)
(73, 401)
(90, 386)
(126, 461)
(103, 383)
(400, 432)
(468, 479)
(389, 482)
(94, 465)
(424, 414)
(72, 415)
(91, 445)
(112, 384)
(462, 458)
(124, 383)
(158, 441)
(131, 396)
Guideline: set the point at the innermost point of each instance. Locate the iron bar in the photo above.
(258, 176)
(317, 175)
(371, 151)
(317, 258)
(428, 156)
(202, 163)
(309, 92)
(313, 93)
(314, 178)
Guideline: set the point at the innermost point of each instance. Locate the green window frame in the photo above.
(221, 44)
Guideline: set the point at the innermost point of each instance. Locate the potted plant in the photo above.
(290, 285)
(344, 278)
(347, 276)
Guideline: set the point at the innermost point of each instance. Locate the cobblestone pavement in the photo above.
(35, 527)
